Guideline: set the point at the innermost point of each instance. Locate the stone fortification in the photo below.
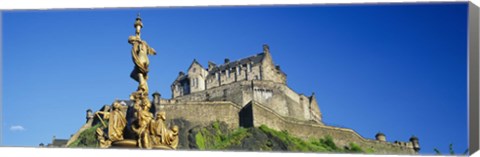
(341, 136)
(251, 92)
(276, 96)
(254, 114)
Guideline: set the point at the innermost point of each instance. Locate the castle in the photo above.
(266, 80)
(250, 92)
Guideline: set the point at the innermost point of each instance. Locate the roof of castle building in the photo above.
(195, 62)
(179, 78)
(252, 59)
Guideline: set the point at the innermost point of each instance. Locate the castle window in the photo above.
(193, 82)
(196, 82)
(239, 72)
(249, 67)
(228, 73)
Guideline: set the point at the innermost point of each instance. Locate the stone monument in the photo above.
(149, 132)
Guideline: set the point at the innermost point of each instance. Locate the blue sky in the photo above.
(399, 69)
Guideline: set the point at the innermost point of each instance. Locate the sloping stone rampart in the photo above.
(305, 130)
(256, 114)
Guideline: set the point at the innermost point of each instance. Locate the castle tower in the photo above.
(156, 98)
(415, 143)
(89, 114)
(380, 137)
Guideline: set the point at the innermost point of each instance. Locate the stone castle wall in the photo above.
(341, 136)
(256, 114)
(276, 96)
(202, 113)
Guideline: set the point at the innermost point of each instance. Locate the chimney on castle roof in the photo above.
(266, 48)
(227, 60)
(181, 73)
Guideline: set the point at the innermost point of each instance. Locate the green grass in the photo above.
(296, 144)
(355, 148)
(200, 141)
(325, 144)
(218, 140)
(87, 138)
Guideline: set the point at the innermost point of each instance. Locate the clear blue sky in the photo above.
(398, 69)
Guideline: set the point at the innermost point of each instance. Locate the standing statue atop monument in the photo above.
(139, 129)
(140, 50)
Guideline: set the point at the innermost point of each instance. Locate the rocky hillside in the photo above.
(216, 136)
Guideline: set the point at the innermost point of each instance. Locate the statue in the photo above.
(143, 131)
(172, 137)
(104, 143)
(140, 50)
(140, 127)
(161, 135)
(158, 128)
(116, 124)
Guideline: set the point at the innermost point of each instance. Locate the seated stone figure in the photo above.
(140, 127)
(103, 142)
(172, 137)
(160, 134)
(158, 128)
(116, 124)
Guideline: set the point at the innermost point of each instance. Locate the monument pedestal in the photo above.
(130, 143)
